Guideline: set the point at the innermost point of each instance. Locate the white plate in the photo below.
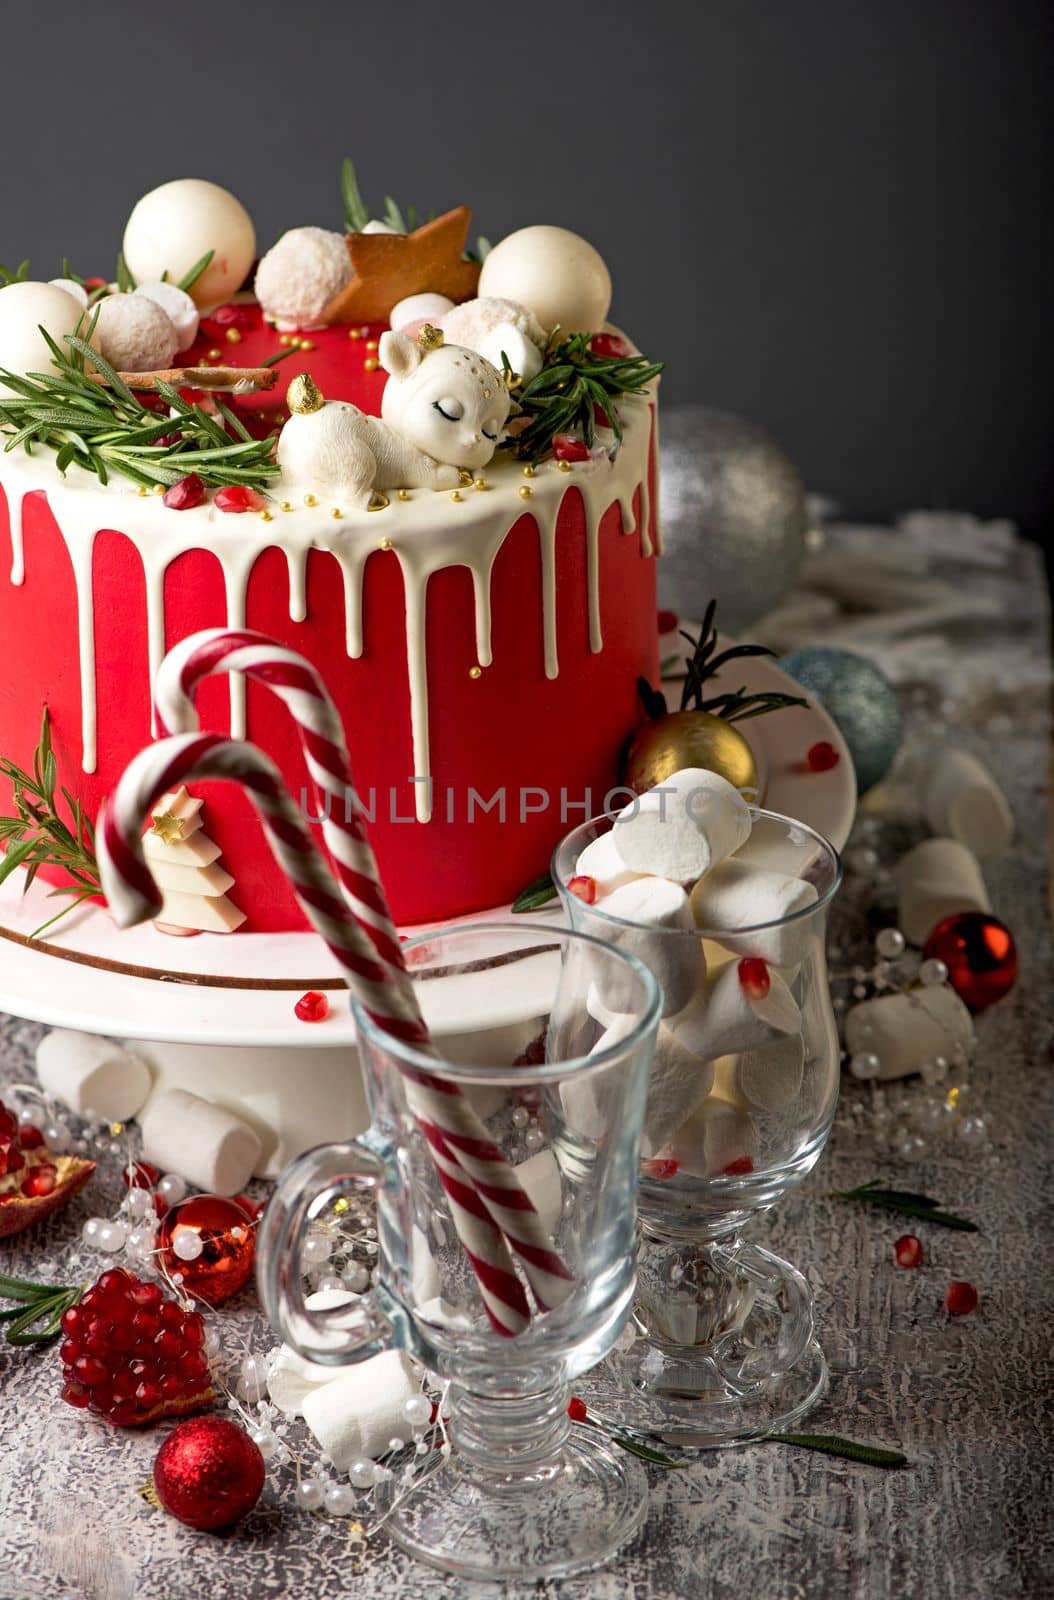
(241, 989)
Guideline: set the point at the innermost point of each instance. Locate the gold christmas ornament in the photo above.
(690, 739)
(304, 395)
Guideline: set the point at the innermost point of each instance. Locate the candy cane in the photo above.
(134, 897)
(436, 1103)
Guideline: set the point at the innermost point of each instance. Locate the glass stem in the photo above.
(509, 1440)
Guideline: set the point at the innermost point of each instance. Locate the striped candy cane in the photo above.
(436, 1103)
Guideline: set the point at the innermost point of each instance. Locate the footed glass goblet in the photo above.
(521, 1494)
(740, 1103)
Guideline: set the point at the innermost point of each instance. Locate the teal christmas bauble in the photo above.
(859, 698)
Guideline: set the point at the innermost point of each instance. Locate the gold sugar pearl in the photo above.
(564, 466)
(371, 344)
(116, 1128)
(475, 672)
(479, 483)
(528, 472)
(310, 500)
(354, 333)
(343, 1204)
(307, 344)
(455, 494)
(159, 488)
(464, 477)
(233, 336)
(525, 491)
(287, 505)
(386, 544)
(285, 339)
(403, 494)
(371, 364)
(265, 515)
(215, 355)
(141, 491)
(336, 513)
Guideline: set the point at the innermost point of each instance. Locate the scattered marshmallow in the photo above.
(906, 1030)
(962, 800)
(300, 275)
(602, 862)
(679, 1082)
(494, 328)
(214, 1149)
(714, 1138)
(359, 1412)
(767, 1079)
(937, 879)
(291, 1376)
(737, 895)
(178, 307)
(723, 1020)
(90, 1074)
(662, 922)
(683, 827)
(134, 334)
(408, 314)
(71, 286)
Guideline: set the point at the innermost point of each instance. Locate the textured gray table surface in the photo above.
(970, 1401)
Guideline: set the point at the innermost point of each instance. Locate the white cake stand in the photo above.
(214, 1015)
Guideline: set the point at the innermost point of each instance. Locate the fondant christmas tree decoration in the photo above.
(185, 863)
(443, 411)
(390, 266)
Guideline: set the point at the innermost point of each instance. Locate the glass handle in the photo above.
(338, 1335)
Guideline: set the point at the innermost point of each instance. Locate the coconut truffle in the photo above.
(134, 334)
(492, 327)
(299, 276)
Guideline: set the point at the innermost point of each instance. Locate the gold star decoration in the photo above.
(168, 827)
(390, 266)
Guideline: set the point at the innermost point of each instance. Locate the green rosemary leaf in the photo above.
(921, 1206)
(644, 1451)
(16, 856)
(190, 278)
(537, 894)
(832, 1444)
(19, 275)
(356, 215)
(41, 1321)
(281, 355)
(125, 282)
(393, 216)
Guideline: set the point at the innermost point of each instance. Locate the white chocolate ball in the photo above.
(134, 334)
(24, 309)
(178, 307)
(172, 227)
(299, 276)
(554, 273)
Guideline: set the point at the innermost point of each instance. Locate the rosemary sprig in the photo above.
(37, 836)
(106, 429)
(735, 705)
(18, 275)
(572, 385)
(832, 1444)
(537, 894)
(190, 277)
(909, 1204)
(357, 213)
(37, 1303)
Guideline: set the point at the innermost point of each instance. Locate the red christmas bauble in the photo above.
(208, 1473)
(208, 1243)
(980, 955)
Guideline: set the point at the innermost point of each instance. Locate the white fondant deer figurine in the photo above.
(444, 409)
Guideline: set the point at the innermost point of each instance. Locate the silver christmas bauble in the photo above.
(733, 514)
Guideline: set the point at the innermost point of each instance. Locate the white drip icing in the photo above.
(425, 533)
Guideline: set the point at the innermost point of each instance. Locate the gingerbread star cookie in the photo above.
(390, 266)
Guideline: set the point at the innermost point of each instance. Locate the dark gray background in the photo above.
(832, 218)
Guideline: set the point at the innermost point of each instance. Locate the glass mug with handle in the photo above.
(741, 1099)
(521, 1493)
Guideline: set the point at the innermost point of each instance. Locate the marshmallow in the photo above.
(660, 935)
(178, 307)
(418, 308)
(134, 334)
(723, 1020)
(907, 1029)
(90, 1074)
(736, 895)
(71, 286)
(935, 880)
(495, 328)
(602, 862)
(215, 1150)
(717, 1135)
(290, 1376)
(359, 1412)
(767, 1079)
(679, 1082)
(683, 827)
(962, 800)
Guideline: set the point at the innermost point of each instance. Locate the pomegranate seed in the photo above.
(961, 1298)
(72, 1321)
(908, 1251)
(74, 1395)
(738, 1168)
(171, 1315)
(577, 1409)
(8, 1123)
(232, 316)
(609, 347)
(568, 447)
(600, 417)
(659, 1167)
(312, 1007)
(188, 493)
(583, 888)
(69, 1350)
(754, 978)
(194, 1366)
(194, 1330)
(821, 756)
(148, 1396)
(91, 1371)
(147, 1296)
(11, 1157)
(141, 1175)
(114, 1280)
(30, 1138)
(169, 1345)
(7, 1197)
(667, 621)
(171, 1386)
(238, 497)
(122, 1337)
(40, 1180)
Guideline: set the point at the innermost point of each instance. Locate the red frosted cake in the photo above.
(483, 641)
